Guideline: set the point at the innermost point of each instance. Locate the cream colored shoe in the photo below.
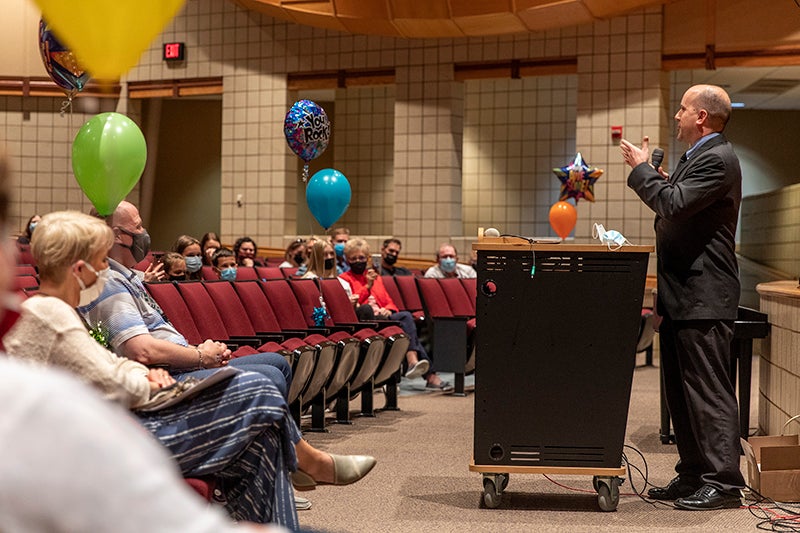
(347, 469)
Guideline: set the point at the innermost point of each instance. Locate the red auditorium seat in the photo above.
(25, 282)
(451, 332)
(289, 272)
(236, 318)
(269, 272)
(290, 315)
(246, 273)
(394, 293)
(27, 270)
(171, 302)
(397, 342)
(407, 286)
(471, 286)
(208, 273)
(24, 255)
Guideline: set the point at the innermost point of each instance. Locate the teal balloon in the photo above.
(108, 158)
(328, 196)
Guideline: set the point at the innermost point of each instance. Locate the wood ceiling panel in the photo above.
(556, 16)
(415, 28)
(420, 9)
(443, 18)
(497, 23)
(470, 8)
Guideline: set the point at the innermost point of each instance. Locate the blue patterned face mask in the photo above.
(447, 264)
(228, 274)
(611, 238)
(339, 249)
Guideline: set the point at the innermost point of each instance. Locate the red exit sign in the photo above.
(173, 51)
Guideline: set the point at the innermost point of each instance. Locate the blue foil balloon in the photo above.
(328, 196)
(307, 130)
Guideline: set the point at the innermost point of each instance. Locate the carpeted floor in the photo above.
(422, 481)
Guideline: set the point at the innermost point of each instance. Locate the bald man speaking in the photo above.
(697, 209)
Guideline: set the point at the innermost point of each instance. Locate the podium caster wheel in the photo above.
(491, 495)
(607, 492)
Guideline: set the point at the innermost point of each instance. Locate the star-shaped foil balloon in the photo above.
(577, 179)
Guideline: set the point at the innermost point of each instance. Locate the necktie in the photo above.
(681, 163)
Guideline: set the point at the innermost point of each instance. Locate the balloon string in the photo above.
(66, 105)
(305, 173)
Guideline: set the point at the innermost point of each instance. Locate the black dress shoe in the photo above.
(679, 487)
(709, 498)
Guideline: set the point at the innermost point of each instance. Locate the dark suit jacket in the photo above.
(696, 215)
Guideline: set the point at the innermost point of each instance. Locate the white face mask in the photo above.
(92, 292)
(612, 238)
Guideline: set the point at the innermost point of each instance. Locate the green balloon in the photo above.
(108, 158)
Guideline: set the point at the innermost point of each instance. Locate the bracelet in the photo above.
(200, 355)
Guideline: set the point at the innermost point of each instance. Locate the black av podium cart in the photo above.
(556, 348)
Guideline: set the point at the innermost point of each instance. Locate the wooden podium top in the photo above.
(520, 244)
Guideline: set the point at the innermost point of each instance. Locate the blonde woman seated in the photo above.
(238, 433)
(322, 264)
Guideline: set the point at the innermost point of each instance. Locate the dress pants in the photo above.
(695, 358)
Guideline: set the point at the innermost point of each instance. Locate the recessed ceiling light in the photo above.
(737, 104)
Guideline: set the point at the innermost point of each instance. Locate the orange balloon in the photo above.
(563, 216)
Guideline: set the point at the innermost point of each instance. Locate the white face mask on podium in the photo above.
(611, 238)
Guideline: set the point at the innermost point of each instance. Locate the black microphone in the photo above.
(658, 157)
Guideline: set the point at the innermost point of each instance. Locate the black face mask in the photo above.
(329, 263)
(390, 259)
(178, 278)
(299, 258)
(358, 267)
(140, 244)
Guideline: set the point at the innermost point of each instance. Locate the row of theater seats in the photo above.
(27, 278)
(333, 362)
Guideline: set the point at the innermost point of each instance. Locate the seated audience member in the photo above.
(322, 264)
(135, 240)
(25, 238)
(209, 244)
(303, 268)
(339, 238)
(295, 254)
(245, 250)
(133, 484)
(224, 263)
(447, 265)
(367, 285)
(190, 249)
(203, 442)
(174, 265)
(390, 251)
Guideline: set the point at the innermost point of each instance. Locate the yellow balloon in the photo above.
(108, 36)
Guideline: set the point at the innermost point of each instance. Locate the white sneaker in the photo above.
(418, 369)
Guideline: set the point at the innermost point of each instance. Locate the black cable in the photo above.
(645, 478)
(531, 241)
(770, 522)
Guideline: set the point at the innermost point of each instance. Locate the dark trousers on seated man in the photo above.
(695, 358)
